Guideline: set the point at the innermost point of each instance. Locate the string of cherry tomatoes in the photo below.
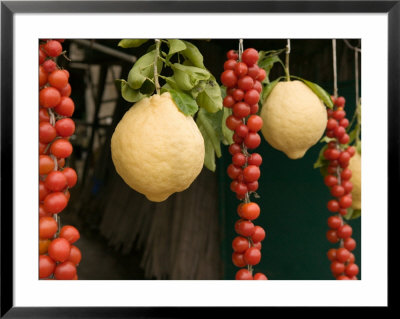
(242, 78)
(58, 257)
(338, 179)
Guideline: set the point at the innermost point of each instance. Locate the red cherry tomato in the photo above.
(70, 233)
(252, 256)
(55, 202)
(65, 271)
(243, 274)
(65, 127)
(47, 227)
(250, 211)
(59, 249)
(75, 255)
(71, 176)
(55, 181)
(65, 106)
(61, 148)
(250, 56)
(46, 164)
(46, 266)
(49, 97)
(58, 79)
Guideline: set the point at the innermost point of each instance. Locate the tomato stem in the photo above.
(287, 60)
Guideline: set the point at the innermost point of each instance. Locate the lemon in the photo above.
(294, 118)
(355, 167)
(156, 149)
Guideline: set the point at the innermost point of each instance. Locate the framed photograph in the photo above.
(164, 204)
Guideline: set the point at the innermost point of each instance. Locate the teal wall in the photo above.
(293, 212)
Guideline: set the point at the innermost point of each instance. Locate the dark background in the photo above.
(116, 223)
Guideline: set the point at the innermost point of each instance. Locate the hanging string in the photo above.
(335, 88)
(356, 76)
(240, 49)
(287, 60)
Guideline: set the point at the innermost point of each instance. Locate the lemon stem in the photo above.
(156, 56)
(287, 60)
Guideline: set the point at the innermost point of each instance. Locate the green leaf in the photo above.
(143, 69)
(327, 139)
(319, 91)
(321, 161)
(128, 93)
(147, 87)
(227, 133)
(269, 62)
(187, 77)
(131, 43)
(185, 103)
(175, 46)
(352, 213)
(193, 54)
(198, 89)
(209, 155)
(210, 98)
(268, 89)
(171, 83)
(211, 122)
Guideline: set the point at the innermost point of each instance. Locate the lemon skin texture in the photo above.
(156, 149)
(294, 118)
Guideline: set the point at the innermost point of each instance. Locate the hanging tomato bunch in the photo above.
(58, 257)
(338, 178)
(242, 78)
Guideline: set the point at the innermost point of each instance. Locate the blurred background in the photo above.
(126, 237)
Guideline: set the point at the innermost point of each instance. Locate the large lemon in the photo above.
(294, 118)
(355, 167)
(156, 149)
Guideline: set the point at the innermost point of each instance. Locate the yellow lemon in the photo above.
(355, 167)
(294, 118)
(156, 149)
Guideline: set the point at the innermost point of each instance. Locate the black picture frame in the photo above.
(9, 8)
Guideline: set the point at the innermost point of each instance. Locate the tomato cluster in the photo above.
(242, 79)
(58, 257)
(338, 180)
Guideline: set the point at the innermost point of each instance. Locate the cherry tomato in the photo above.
(345, 201)
(58, 79)
(344, 231)
(65, 127)
(43, 191)
(49, 66)
(254, 159)
(237, 259)
(330, 180)
(250, 56)
(251, 173)
(241, 109)
(252, 256)
(250, 211)
(254, 109)
(241, 189)
(61, 148)
(240, 244)
(70, 233)
(258, 234)
(55, 181)
(66, 90)
(43, 245)
(228, 101)
(44, 115)
(254, 123)
(253, 71)
(238, 95)
(333, 205)
(49, 97)
(257, 86)
(232, 122)
(233, 171)
(53, 48)
(342, 254)
(42, 76)
(337, 190)
(47, 132)
(55, 202)
(47, 227)
(239, 159)
(252, 140)
(71, 176)
(245, 83)
(346, 174)
(42, 56)
(230, 64)
(234, 148)
(229, 78)
(242, 130)
(337, 267)
(252, 186)
(349, 244)
(46, 266)
(43, 212)
(244, 228)
(232, 54)
(260, 276)
(243, 274)
(332, 236)
(46, 164)
(334, 222)
(59, 249)
(252, 97)
(240, 69)
(331, 254)
(65, 271)
(65, 106)
(75, 255)
(340, 101)
(262, 74)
